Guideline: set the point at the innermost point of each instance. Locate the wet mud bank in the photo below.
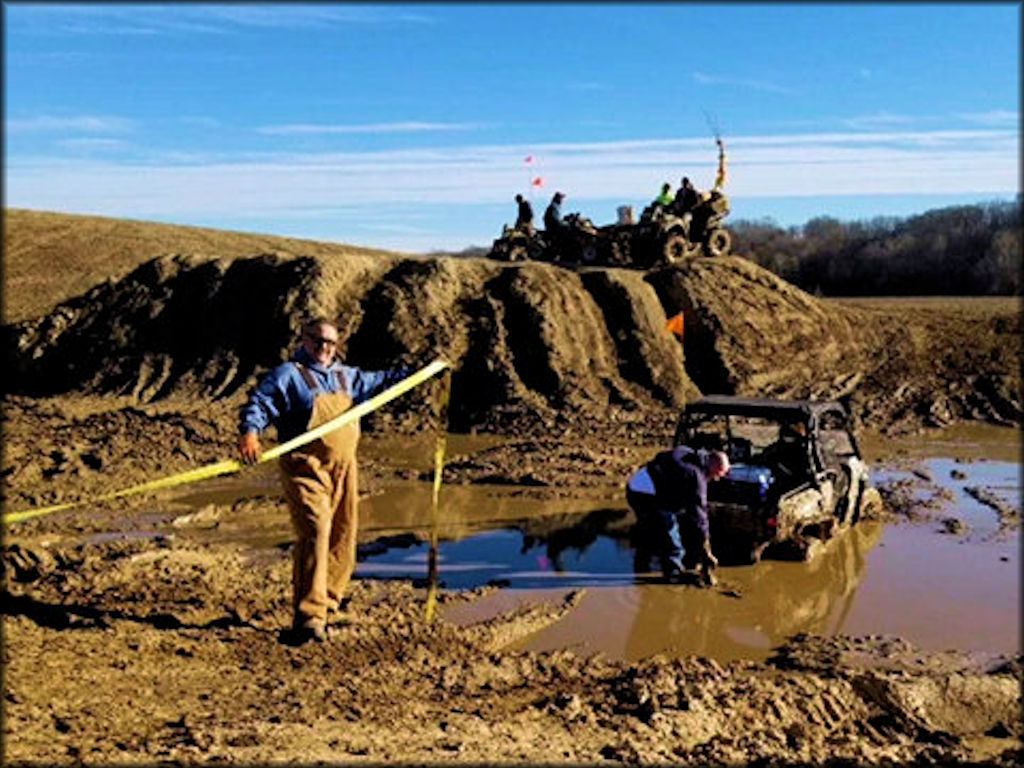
(170, 652)
(165, 646)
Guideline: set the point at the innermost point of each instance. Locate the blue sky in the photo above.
(408, 126)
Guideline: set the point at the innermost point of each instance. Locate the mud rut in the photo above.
(138, 650)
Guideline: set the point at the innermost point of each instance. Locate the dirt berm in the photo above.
(533, 345)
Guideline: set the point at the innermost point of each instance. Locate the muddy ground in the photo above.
(129, 639)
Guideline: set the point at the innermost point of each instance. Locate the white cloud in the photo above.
(199, 18)
(87, 123)
(410, 126)
(92, 143)
(996, 117)
(756, 85)
(280, 186)
(587, 86)
(880, 120)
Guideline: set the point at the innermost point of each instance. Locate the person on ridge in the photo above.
(665, 197)
(553, 215)
(687, 197)
(524, 218)
(320, 479)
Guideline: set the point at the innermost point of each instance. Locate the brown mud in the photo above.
(129, 639)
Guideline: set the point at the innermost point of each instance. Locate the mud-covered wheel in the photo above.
(499, 251)
(718, 243)
(674, 251)
(517, 253)
(757, 552)
(869, 506)
(621, 255)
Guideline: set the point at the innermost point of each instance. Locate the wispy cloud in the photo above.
(201, 122)
(996, 117)
(275, 186)
(199, 18)
(880, 120)
(92, 143)
(587, 86)
(86, 123)
(410, 126)
(756, 85)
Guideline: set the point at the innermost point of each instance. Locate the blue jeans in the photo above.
(657, 533)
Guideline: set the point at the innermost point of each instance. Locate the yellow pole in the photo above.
(439, 449)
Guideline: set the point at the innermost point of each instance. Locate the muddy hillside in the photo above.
(533, 345)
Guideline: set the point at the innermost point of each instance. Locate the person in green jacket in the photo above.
(666, 198)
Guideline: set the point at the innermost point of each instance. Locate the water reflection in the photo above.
(752, 610)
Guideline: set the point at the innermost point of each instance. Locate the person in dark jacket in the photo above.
(687, 197)
(669, 496)
(553, 215)
(320, 478)
(524, 218)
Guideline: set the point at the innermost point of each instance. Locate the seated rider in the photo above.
(788, 456)
(686, 198)
(553, 215)
(665, 198)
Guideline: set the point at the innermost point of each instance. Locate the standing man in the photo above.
(669, 496)
(320, 479)
(524, 219)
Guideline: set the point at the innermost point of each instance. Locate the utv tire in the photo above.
(869, 506)
(718, 243)
(517, 253)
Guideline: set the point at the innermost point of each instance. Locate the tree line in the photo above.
(972, 250)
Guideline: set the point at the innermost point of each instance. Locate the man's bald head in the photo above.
(718, 465)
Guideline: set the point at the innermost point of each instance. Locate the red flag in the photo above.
(528, 159)
(538, 182)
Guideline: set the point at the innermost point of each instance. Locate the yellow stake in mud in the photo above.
(226, 467)
(439, 448)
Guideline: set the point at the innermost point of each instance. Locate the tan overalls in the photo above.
(320, 482)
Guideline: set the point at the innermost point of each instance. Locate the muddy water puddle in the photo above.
(940, 587)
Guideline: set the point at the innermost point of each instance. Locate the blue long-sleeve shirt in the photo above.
(681, 483)
(285, 400)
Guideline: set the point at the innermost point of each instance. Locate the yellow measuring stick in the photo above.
(227, 467)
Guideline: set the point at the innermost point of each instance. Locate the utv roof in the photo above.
(731, 405)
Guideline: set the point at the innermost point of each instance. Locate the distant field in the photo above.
(999, 304)
(51, 257)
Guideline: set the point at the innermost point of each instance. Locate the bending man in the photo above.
(320, 479)
(669, 496)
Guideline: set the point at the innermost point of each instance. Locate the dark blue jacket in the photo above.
(681, 484)
(553, 217)
(284, 399)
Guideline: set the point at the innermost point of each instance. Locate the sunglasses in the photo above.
(321, 341)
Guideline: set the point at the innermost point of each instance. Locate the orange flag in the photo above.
(675, 325)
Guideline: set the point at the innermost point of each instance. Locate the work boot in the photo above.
(312, 630)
